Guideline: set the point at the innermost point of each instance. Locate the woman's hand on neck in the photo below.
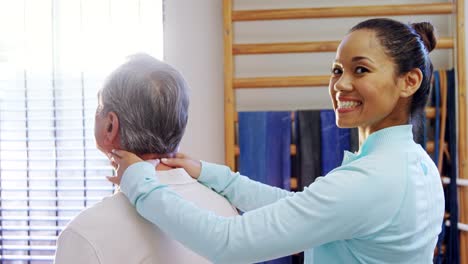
(152, 156)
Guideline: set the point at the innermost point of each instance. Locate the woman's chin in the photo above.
(344, 124)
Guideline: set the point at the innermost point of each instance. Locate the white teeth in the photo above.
(348, 104)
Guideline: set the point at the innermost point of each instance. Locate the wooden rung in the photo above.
(430, 113)
(236, 117)
(345, 11)
(460, 182)
(293, 183)
(445, 180)
(276, 82)
(291, 47)
(292, 149)
(442, 249)
(445, 43)
(430, 146)
(303, 47)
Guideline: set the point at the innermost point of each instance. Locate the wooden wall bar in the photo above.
(287, 47)
(229, 96)
(277, 82)
(349, 11)
(430, 113)
(293, 148)
(303, 47)
(460, 56)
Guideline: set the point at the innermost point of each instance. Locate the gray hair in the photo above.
(150, 99)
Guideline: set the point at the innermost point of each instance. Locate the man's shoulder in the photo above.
(205, 198)
(112, 221)
(112, 228)
(112, 211)
(202, 196)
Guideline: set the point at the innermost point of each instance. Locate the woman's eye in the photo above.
(360, 70)
(336, 71)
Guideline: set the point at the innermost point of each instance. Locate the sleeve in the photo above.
(330, 209)
(242, 192)
(72, 248)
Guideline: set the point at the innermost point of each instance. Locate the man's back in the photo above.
(112, 231)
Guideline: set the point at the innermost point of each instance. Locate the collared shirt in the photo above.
(384, 204)
(112, 232)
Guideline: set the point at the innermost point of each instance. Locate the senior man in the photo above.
(143, 109)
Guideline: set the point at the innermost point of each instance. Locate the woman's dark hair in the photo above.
(409, 46)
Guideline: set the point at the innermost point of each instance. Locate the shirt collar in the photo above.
(390, 136)
(172, 177)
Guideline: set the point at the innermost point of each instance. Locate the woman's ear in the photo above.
(112, 128)
(411, 82)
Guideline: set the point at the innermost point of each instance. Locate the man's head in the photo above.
(143, 108)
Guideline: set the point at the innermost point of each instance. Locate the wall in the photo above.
(194, 44)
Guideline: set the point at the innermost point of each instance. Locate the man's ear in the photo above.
(112, 128)
(411, 82)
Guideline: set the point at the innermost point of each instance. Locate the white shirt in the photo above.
(112, 232)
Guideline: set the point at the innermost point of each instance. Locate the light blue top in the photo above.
(384, 204)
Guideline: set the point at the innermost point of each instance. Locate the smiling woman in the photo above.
(373, 84)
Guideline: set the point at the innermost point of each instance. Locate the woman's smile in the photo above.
(346, 106)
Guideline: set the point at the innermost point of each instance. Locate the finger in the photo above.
(156, 162)
(115, 158)
(180, 155)
(122, 153)
(174, 162)
(118, 153)
(113, 179)
(114, 164)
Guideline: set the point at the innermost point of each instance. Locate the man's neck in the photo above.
(153, 156)
(149, 156)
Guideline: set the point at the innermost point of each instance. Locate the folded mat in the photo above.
(450, 165)
(334, 141)
(265, 156)
(308, 159)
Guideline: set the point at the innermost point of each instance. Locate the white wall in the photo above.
(194, 44)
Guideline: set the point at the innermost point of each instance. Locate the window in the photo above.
(54, 56)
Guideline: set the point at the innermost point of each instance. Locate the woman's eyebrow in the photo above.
(335, 63)
(358, 58)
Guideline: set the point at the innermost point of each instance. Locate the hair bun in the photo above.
(426, 31)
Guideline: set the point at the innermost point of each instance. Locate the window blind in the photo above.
(53, 59)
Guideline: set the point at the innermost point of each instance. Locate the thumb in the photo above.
(174, 162)
(181, 155)
(113, 179)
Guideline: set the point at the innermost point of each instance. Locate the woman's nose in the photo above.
(344, 83)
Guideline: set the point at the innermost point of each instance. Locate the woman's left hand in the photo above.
(121, 160)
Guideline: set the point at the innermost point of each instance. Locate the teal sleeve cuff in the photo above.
(216, 176)
(208, 172)
(138, 180)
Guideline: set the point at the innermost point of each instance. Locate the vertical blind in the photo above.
(54, 55)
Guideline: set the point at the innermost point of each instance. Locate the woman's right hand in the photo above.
(191, 166)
